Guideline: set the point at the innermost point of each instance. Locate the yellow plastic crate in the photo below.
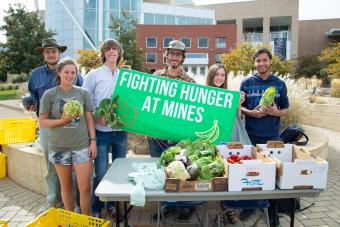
(2, 166)
(17, 130)
(54, 217)
(3, 223)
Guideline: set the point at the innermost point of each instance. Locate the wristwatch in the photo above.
(94, 138)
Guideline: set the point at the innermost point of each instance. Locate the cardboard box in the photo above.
(217, 184)
(296, 168)
(258, 174)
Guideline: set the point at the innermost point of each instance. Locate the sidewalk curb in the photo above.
(11, 107)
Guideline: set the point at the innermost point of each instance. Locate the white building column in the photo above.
(266, 30)
(100, 21)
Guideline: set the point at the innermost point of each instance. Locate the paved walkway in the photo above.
(20, 206)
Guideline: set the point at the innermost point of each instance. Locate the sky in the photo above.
(308, 9)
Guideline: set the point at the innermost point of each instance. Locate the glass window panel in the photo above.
(202, 71)
(166, 41)
(191, 20)
(149, 18)
(196, 55)
(135, 16)
(90, 4)
(181, 20)
(221, 42)
(114, 4)
(194, 70)
(208, 21)
(159, 19)
(200, 21)
(135, 5)
(125, 5)
(90, 18)
(151, 42)
(151, 57)
(113, 15)
(170, 19)
(187, 42)
(202, 42)
(218, 58)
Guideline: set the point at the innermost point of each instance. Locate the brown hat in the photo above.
(50, 43)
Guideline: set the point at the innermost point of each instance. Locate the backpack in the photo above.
(292, 134)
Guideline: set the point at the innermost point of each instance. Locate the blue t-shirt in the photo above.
(254, 86)
(41, 79)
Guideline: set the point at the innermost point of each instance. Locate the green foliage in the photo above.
(24, 32)
(126, 29)
(309, 66)
(241, 60)
(331, 58)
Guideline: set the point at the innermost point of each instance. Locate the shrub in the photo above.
(335, 88)
(9, 87)
(309, 66)
(298, 103)
(22, 90)
(2, 87)
(20, 79)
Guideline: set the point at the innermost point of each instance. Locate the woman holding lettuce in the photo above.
(67, 110)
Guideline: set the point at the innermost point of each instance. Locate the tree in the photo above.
(309, 66)
(241, 60)
(331, 58)
(125, 29)
(24, 32)
(90, 59)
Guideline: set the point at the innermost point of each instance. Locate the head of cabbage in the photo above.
(73, 108)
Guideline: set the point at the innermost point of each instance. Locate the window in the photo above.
(149, 18)
(159, 19)
(196, 55)
(187, 42)
(125, 5)
(202, 71)
(218, 58)
(181, 20)
(166, 41)
(194, 70)
(202, 42)
(170, 20)
(151, 42)
(151, 57)
(221, 42)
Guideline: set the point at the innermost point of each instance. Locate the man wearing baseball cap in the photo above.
(41, 79)
(174, 55)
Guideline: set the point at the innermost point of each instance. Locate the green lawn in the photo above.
(8, 94)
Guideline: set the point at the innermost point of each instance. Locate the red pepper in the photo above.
(233, 156)
(231, 161)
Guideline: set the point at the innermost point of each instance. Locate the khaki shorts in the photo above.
(69, 157)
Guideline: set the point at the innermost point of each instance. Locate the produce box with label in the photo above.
(296, 168)
(247, 168)
(193, 166)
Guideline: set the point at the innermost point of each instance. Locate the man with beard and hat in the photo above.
(41, 79)
(174, 55)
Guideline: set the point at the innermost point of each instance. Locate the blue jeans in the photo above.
(118, 142)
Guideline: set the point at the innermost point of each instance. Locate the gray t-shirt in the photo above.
(74, 135)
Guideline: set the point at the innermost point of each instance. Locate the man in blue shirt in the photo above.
(41, 79)
(263, 125)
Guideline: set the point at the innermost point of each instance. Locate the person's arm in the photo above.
(45, 122)
(33, 93)
(253, 113)
(92, 134)
(274, 111)
(80, 80)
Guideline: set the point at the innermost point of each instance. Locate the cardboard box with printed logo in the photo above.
(257, 174)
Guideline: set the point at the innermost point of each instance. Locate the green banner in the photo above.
(175, 110)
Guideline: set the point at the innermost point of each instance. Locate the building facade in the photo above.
(204, 44)
(273, 22)
(315, 35)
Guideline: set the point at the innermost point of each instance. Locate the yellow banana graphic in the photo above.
(211, 134)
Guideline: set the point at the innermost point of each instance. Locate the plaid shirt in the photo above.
(180, 76)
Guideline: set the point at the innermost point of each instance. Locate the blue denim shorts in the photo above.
(69, 157)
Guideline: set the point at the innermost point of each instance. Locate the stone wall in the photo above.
(323, 116)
